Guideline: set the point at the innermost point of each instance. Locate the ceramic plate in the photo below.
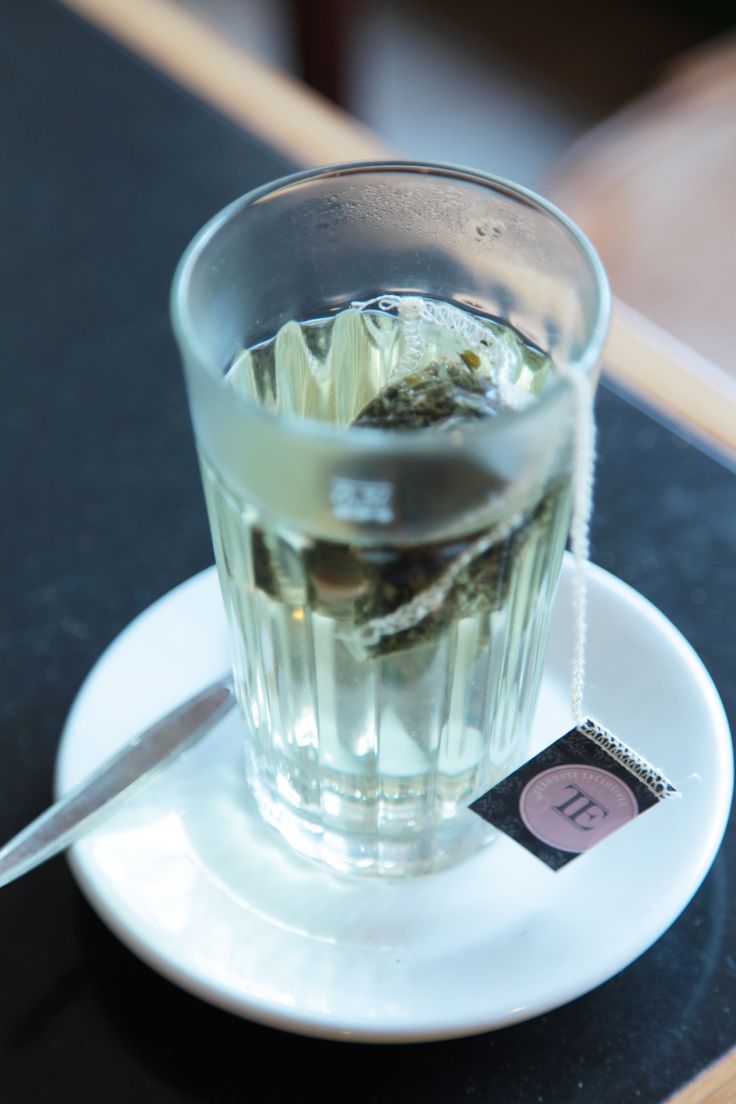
(191, 880)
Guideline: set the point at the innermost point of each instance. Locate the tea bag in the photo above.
(362, 588)
(414, 593)
(440, 394)
(392, 598)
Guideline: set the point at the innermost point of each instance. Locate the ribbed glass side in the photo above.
(364, 748)
(385, 746)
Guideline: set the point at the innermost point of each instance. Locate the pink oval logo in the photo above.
(572, 807)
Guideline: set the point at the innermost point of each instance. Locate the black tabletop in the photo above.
(107, 172)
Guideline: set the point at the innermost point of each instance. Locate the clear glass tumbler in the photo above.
(367, 756)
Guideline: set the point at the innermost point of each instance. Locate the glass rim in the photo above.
(406, 438)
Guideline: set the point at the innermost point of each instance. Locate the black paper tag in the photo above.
(567, 799)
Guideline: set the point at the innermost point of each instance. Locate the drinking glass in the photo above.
(365, 752)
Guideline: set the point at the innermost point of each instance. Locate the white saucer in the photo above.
(188, 877)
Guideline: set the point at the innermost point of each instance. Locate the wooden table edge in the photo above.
(639, 357)
(715, 1085)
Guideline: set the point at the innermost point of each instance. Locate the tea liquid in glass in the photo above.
(382, 735)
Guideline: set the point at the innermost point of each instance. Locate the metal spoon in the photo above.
(119, 777)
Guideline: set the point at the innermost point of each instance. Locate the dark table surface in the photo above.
(107, 172)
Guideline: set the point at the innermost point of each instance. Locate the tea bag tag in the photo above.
(573, 795)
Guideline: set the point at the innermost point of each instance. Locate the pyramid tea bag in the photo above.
(359, 586)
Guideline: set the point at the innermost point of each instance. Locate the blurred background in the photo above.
(624, 111)
(502, 87)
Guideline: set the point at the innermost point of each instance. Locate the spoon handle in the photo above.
(125, 773)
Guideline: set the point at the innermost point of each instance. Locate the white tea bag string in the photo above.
(412, 313)
(584, 454)
(582, 508)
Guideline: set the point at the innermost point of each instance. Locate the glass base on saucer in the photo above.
(403, 854)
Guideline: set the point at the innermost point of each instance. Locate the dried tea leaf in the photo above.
(441, 393)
